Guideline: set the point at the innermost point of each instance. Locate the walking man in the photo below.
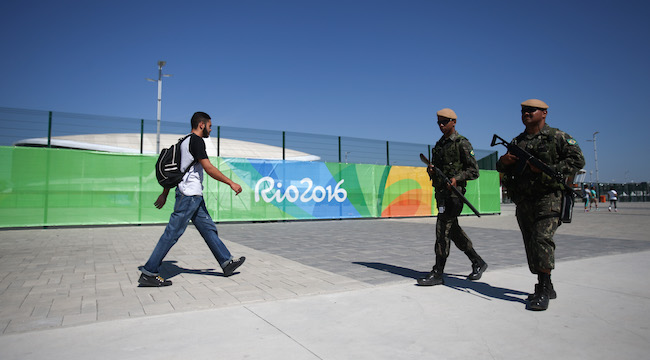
(539, 197)
(454, 156)
(191, 206)
(613, 198)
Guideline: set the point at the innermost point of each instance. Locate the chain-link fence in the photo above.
(59, 129)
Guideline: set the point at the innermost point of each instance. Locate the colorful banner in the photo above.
(46, 187)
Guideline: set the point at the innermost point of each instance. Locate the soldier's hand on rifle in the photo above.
(533, 168)
(508, 159)
(430, 169)
(453, 183)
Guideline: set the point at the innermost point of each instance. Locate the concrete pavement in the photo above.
(326, 290)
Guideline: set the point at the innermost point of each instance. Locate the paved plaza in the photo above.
(339, 289)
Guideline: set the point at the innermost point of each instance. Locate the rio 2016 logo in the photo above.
(292, 193)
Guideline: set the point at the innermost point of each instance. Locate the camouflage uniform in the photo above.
(454, 156)
(537, 196)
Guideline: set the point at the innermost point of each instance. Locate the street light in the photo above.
(596, 159)
(160, 76)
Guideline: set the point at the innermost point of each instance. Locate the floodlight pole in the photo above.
(160, 76)
(596, 160)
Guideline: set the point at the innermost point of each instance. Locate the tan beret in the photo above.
(535, 103)
(448, 113)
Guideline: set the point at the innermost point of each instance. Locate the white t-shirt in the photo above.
(612, 195)
(192, 148)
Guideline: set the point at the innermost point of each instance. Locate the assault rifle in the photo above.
(525, 158)
(448, 182)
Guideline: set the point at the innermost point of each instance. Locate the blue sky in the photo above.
(372, 69)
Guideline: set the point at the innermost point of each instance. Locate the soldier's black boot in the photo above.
(478, 265)
(435, 276)
(540, 299)
(551, 294)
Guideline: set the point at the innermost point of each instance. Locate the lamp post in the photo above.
(160, 76)
(596, 160)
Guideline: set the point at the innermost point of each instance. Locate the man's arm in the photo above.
(162, 199)
(219, 176)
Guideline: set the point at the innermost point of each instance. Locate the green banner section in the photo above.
(52, 187)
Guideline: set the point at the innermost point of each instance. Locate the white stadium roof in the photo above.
(130, 144)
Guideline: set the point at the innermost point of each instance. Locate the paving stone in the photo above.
(79, 319)
(40, 310)
(33, 323)
(158, 308)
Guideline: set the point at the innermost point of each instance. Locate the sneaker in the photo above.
(153, 281)
(233, 265)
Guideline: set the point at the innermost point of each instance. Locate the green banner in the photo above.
(51, 187)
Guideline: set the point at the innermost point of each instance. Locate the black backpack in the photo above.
(168, 166)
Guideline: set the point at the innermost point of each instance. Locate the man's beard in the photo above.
(205, 133)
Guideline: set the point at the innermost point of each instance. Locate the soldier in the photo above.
(454, 156)
(537, 196)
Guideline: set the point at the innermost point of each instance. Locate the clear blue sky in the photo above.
(372, 69)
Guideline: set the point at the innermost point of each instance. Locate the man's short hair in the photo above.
(199, 117)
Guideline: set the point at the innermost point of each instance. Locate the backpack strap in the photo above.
(188, 146)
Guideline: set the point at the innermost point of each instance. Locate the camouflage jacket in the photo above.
(455, 157)
(553, 147)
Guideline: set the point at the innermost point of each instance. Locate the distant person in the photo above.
(539, 197)
(586, 195)
(454, 156)
(593, 198)
(613, 198)
(191, 206)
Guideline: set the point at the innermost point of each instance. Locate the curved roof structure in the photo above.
(130, 143)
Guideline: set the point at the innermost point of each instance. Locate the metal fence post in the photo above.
(49, 131)
(283, 145)
(387, 155)
(218, 141)
(339, 149)
(141, 136)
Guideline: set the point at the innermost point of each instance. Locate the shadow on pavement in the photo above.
(460, 283)
(454, 281)
(397, 270)
(169, 269)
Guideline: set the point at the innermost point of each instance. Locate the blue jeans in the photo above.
(187, 208)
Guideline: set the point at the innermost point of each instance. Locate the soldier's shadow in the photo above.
(169, 269)
(454, 281)
(393, 269)
(460, 283)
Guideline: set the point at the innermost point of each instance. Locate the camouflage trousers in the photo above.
(447, 228)
(538, 220)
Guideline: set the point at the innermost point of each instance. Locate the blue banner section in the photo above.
(301, 190)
